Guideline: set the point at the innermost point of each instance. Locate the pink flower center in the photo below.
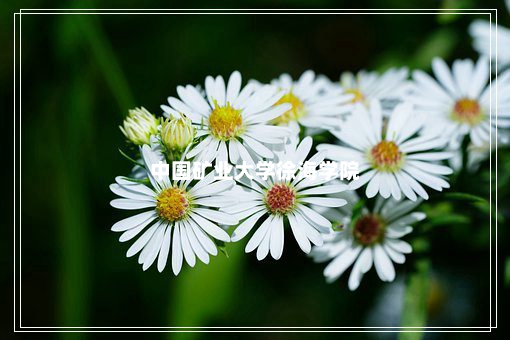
(280, 199)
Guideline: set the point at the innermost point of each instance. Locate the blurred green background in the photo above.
(80, 75)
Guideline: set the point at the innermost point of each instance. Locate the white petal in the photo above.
(176, 251)
(394, 255)
(189, 255)
(325, 189)
(324, 201)
(135, 221)
(300, 237)
(383, 264)
(220, 91)
(258, 147)
(195, 243)
(358, 183)
(263, 248)
(400, 246)
(213, 189)
(210, 228)
(244, 228)
(205, 241)
(362, 265)
(165, 249)
(131, 192)
(308, 230)
(233, 87)
(129, 204)
(338, 266)
(259, 234)
(154, 246)
(217, 216)
(142, 241)
(314, 216)
(373, 186)
(277, 238)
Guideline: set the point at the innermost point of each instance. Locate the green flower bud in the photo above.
(177, 133)
(139, 125)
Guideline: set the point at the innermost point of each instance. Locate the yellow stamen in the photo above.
(358, 96)
(297, 111)
(172, 204)
(386, 156)
(467, 111)
(225, 122)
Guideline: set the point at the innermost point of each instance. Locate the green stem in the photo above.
(205, 292)
(415, 309)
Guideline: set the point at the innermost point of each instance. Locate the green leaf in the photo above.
(414, 312)
(460, 196)
(446, 219)
(357, 209)
(138, 180)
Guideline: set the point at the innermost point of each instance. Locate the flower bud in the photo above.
(139, 125)
(177, 133)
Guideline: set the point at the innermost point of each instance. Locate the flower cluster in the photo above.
(402, 129)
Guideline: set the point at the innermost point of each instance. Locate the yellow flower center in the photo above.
(172, 204)
(467, 111)
(369, 229)
(386, 156)
(225, 122)
(280, 199)
(358, 96)
(297, 111)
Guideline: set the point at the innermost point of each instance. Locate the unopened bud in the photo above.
(139, 125)
(177, 133)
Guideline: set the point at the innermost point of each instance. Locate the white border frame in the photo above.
(17, 204)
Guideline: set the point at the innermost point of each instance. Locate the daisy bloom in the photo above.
(461, 102)
(392, 158)
(484, 35)
(371, 238)
(233, 121)
(367, 86)
(314, 104)
(275, 202)
(177, 216)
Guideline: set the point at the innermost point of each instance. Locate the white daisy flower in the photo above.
(371, 238)
(234, 121)
(392, 158)
(276, 201)
(314, 104)
(367, 86)
(484, 35)
(459, 101)
(177, 216)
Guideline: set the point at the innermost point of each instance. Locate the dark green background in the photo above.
(80, 75)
